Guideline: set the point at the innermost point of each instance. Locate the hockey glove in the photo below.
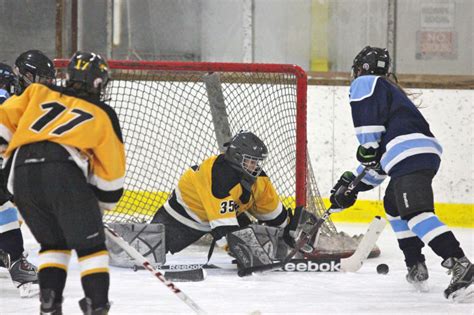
(341, 196)
(368, 156)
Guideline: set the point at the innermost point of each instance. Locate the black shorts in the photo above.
(177, 235)
(55, 200)
(411, 193)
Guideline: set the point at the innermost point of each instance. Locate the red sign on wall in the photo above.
(436, 44)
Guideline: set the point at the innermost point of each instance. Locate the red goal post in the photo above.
(162, 100)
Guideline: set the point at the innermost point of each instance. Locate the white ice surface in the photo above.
(223, 292)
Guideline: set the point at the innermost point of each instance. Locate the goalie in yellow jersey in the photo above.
(67, 164)
(214, 197)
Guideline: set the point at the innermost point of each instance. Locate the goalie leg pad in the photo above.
(147, 239)
(271, 239)
(247, 249)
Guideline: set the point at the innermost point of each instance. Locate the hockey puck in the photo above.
(382, 269)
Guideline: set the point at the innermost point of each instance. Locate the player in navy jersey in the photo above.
(396, 141)
(7, 82)
(22, 272)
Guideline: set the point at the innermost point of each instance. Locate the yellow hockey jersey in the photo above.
(210, 195)
(89, 130)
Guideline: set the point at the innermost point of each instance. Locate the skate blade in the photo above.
(29, 290)
(421, 286)
(465, 295)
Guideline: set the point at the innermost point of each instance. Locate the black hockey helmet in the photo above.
(371, 60)
(246, 153)
(87, 74)
(33, 66)
(7, 78)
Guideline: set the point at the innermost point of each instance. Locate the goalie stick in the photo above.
(305, 237)
(294, 265)
(349, 264)
(146, 264)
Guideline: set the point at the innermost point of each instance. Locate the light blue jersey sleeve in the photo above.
(4, 95)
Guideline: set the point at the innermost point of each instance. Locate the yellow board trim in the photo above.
(141, 202)
(451, 214)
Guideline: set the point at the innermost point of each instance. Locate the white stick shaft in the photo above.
(145, 263)
(355, 261)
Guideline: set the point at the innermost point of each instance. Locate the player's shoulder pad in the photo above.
(362, 87)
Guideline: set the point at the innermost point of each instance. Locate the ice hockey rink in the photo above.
(223, 292)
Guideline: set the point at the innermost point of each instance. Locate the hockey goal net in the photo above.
(175, 114)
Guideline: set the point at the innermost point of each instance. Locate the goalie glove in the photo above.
(289, 233)
(301, 220)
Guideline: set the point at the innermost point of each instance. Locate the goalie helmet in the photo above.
(7, 78)
(33, 66)
(371, 60)
(246, 153)
(87, 74)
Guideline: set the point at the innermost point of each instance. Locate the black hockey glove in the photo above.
(289, 233)
(341, 197)
(368, 156)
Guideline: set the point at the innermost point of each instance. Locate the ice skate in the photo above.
(48, 305)
(23, 274)
(460, 289)
(86, 307)
(418, 276)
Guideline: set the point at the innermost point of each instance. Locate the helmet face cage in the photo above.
(33, 66)
(371, 60)
(252, 165)
(246, 153)
(87, 73)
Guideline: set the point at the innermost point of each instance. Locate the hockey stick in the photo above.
(306, 236)
(145, 263)
(355, 261)
(314, 265)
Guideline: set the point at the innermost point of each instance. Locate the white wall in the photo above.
(332, 143)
